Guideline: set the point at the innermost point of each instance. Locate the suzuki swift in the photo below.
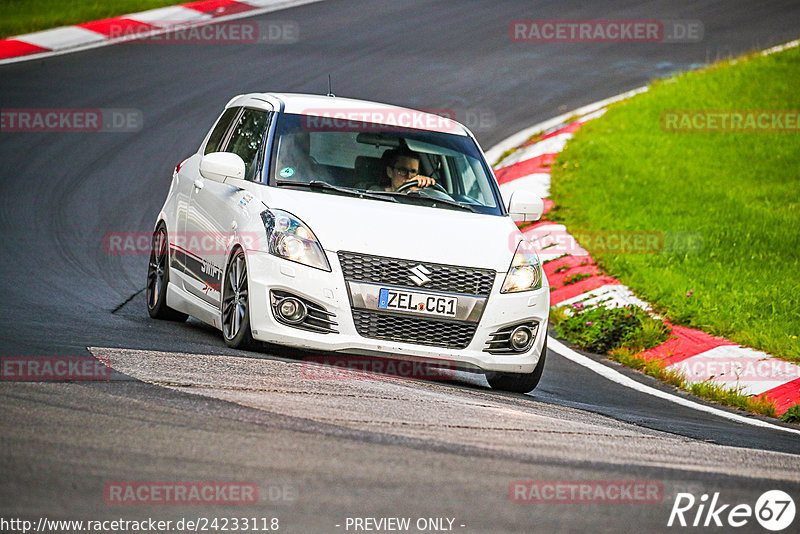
(342, 225)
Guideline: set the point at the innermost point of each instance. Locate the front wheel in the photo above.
(158, 279)
(236, 304)
(519, 382)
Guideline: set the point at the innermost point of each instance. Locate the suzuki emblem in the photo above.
(418, 275)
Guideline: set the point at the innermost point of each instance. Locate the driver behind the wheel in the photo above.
(402, 167)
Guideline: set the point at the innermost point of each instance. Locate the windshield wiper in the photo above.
(419, 194)
(325, 186)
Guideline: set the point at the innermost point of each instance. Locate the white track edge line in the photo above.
(521, 136)
(619, 378)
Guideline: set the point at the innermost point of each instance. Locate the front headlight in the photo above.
(289, 238)
(525, 273)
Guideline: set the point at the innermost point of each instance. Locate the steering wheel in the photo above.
(408, 185)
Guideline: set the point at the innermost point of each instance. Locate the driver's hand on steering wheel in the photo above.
(422, 181)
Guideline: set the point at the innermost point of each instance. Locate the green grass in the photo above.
(629, 358)
(792, 415)
(24, 16)
(728, 204)
(601, 330)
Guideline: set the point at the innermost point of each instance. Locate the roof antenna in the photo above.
(330, 91)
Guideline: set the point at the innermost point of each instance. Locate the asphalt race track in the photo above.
(183, 407)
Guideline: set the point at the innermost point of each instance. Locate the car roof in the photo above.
(352, 109)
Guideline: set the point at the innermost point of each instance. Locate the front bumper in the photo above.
(329, 290)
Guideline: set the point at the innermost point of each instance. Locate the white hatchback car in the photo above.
(343, 225)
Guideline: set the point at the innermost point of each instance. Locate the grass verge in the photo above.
(727, 204)
(601, 330)
(24, 16)
(792, 415)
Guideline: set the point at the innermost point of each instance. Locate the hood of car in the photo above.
(398, 230)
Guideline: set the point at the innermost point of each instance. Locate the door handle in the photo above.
(199, 183)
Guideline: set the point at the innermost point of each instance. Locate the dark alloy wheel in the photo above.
(158, 278)
(235, 304)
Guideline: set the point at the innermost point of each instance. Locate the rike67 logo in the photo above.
(774, 510)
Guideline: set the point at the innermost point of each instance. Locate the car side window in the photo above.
(247, 137)
(218, 134)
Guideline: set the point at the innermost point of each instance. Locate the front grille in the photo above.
(390, 271)
(394, 327)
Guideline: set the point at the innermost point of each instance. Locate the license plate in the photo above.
(411, 301)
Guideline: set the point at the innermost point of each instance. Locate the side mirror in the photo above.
(525, 206)
(220, 165)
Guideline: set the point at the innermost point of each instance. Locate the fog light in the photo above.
(292, 310)
(521, 338)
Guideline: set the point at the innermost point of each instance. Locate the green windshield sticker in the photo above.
(286, 172)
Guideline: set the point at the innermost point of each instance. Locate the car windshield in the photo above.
(355, 155)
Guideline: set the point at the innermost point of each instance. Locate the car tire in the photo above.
(519, 382)
(236, 304)
(158, 279)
